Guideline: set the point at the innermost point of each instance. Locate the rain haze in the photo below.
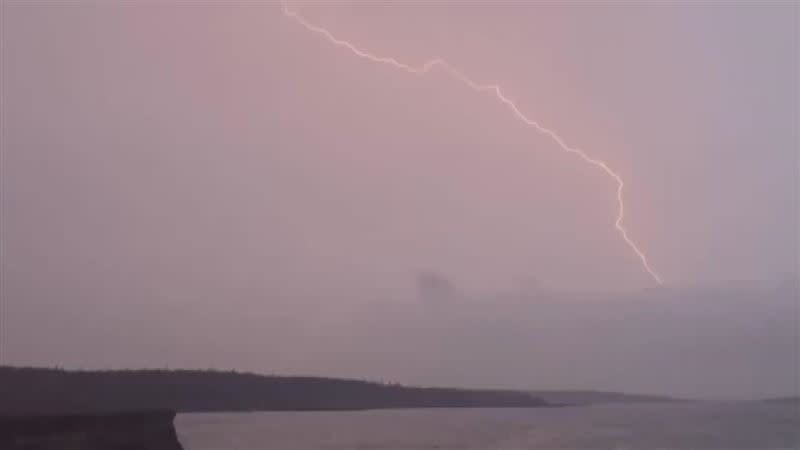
(215, 186)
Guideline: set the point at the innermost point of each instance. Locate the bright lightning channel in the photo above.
(498, 93)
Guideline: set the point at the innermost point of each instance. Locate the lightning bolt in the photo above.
(495, 90)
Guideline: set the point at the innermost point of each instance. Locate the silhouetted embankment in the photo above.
(784, 400)
(598, 397)
(140, 431)
(51, 391)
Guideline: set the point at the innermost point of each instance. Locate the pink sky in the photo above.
(155, 155)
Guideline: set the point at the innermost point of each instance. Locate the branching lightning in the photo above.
(495, 90)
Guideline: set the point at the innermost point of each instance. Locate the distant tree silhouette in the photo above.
(38, 391)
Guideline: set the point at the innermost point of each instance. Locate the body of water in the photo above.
(635, 426)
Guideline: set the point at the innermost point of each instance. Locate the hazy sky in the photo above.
(217, 175)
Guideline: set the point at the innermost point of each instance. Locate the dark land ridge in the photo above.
(34, 391)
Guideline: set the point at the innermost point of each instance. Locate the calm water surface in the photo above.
(645, 426)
